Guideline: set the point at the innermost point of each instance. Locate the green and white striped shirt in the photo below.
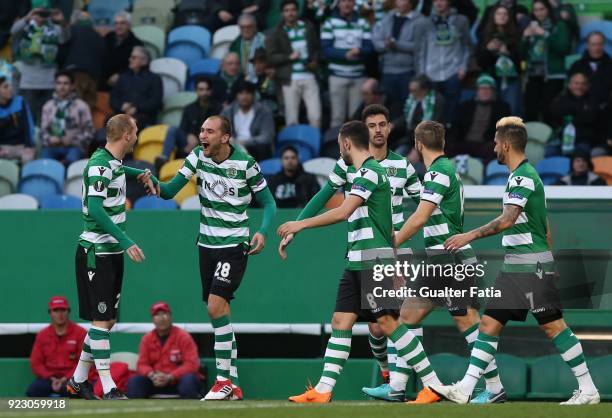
(370, 227)
(225, 193)
(525, 243)
(443, 187)
(346, 35)
(104, 177)
(297, 37)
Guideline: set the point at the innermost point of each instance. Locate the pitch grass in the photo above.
(280, 409)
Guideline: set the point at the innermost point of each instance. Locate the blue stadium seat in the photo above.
(60, 201)
(603, 26)
(305, 138)
(188, 43)
(203, 67)
(553, 168)
(42, 177)
(496, 174)
(103, 11)
(154, 203)
(270, 167)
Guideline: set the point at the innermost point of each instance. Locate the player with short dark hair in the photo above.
(99, 255)
(227, 180)
(526, 280)
(368, 209)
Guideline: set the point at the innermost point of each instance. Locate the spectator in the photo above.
(474, 126)
(346, 43)
(229, 74)
(8, 71)
(225, 12)
(16, 125)
(586, 113)
(397, 37)
(292, 187)
(119, 45)
(582, 172)
(518, 14)
(85, 56)
(9, 12)
(252, 122)
(186, 137)
(463, 7)
(246, 44)
(56, 350)
(566, 12)
(596, 64)
(316, 11)
(138, 91)
(37, 37)
(371, 93)
(66, 126)
(498, 55)
(264, 81)
(168, 361)
(445, 51)
(546, 42)
(292, 49)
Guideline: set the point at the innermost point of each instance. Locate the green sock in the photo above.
(571, 351)
(224, 334)
(233, 368)
(379, 350)
(336, 354)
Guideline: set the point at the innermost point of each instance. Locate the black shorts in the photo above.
(221, 270)
(351, 298)
(522, 293)
(99, 289)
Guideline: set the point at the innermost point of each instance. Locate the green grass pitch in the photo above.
(280, 409)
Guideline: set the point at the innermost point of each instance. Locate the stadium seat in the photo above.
(173, 73)
(60, 201)
(154, 203)
(18, 201)
(570, 60)
(103, 12)
(496, 174)
(603, 26)
(203, 67)
(222, 40)
(601, 370)
(42, 177)
(9, 177)
(102, 110)
(169, 170)
(131, 359)
(551, 378)
(173, 107)
(602, 166)
(191, 203)
(513, 372)
(150, 143)
(270, 167)
(553, 168)
(188, 43)
(134, 189)
(538, 131)
(74, 178)
(305, 138)
(470, 169)
(320, 167)
(535, 151)
(153, 38)
(153, 12)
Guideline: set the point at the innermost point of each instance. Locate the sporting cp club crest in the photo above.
(102, 307)
(391, 171)
(232, 172)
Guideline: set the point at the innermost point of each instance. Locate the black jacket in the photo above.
(465, 118)
(586, 115)
(600, 80)
(85, 51)
(194, 115)
(144, 90)
(293, 192)
(118, 55)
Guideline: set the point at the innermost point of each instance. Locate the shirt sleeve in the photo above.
(99, 176)
(435, 186)
(255, 180)
(188, 170)
(518, 191)
(365, 183)
(413, 184)
(337, 178)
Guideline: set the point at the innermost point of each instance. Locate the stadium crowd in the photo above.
(65, 68)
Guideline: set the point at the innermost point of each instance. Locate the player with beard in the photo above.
(526, 280)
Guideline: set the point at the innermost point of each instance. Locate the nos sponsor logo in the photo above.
(220, 189)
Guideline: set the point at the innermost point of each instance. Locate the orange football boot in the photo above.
(426, 396)
(311, 396)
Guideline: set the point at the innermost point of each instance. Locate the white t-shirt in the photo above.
(242, 124)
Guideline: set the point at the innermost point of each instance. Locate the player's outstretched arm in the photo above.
(96, 211)
(265, 199)
(317, 203)
(502, 222)
(167, 190)
(415, 222)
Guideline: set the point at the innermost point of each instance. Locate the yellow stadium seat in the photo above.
(169, 170)
(150, 143)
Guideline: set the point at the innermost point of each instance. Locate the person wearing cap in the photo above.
(476, 119)
(581, 173)
(168, 361)
(56, 350)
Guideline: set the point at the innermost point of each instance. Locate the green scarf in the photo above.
(428, 104)
(39, 42)
(58, 124)
(538, 46)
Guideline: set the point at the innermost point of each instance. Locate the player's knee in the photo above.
(552, 329)
(490, 326)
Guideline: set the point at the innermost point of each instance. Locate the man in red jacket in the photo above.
(168, 361)
(56, 350)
